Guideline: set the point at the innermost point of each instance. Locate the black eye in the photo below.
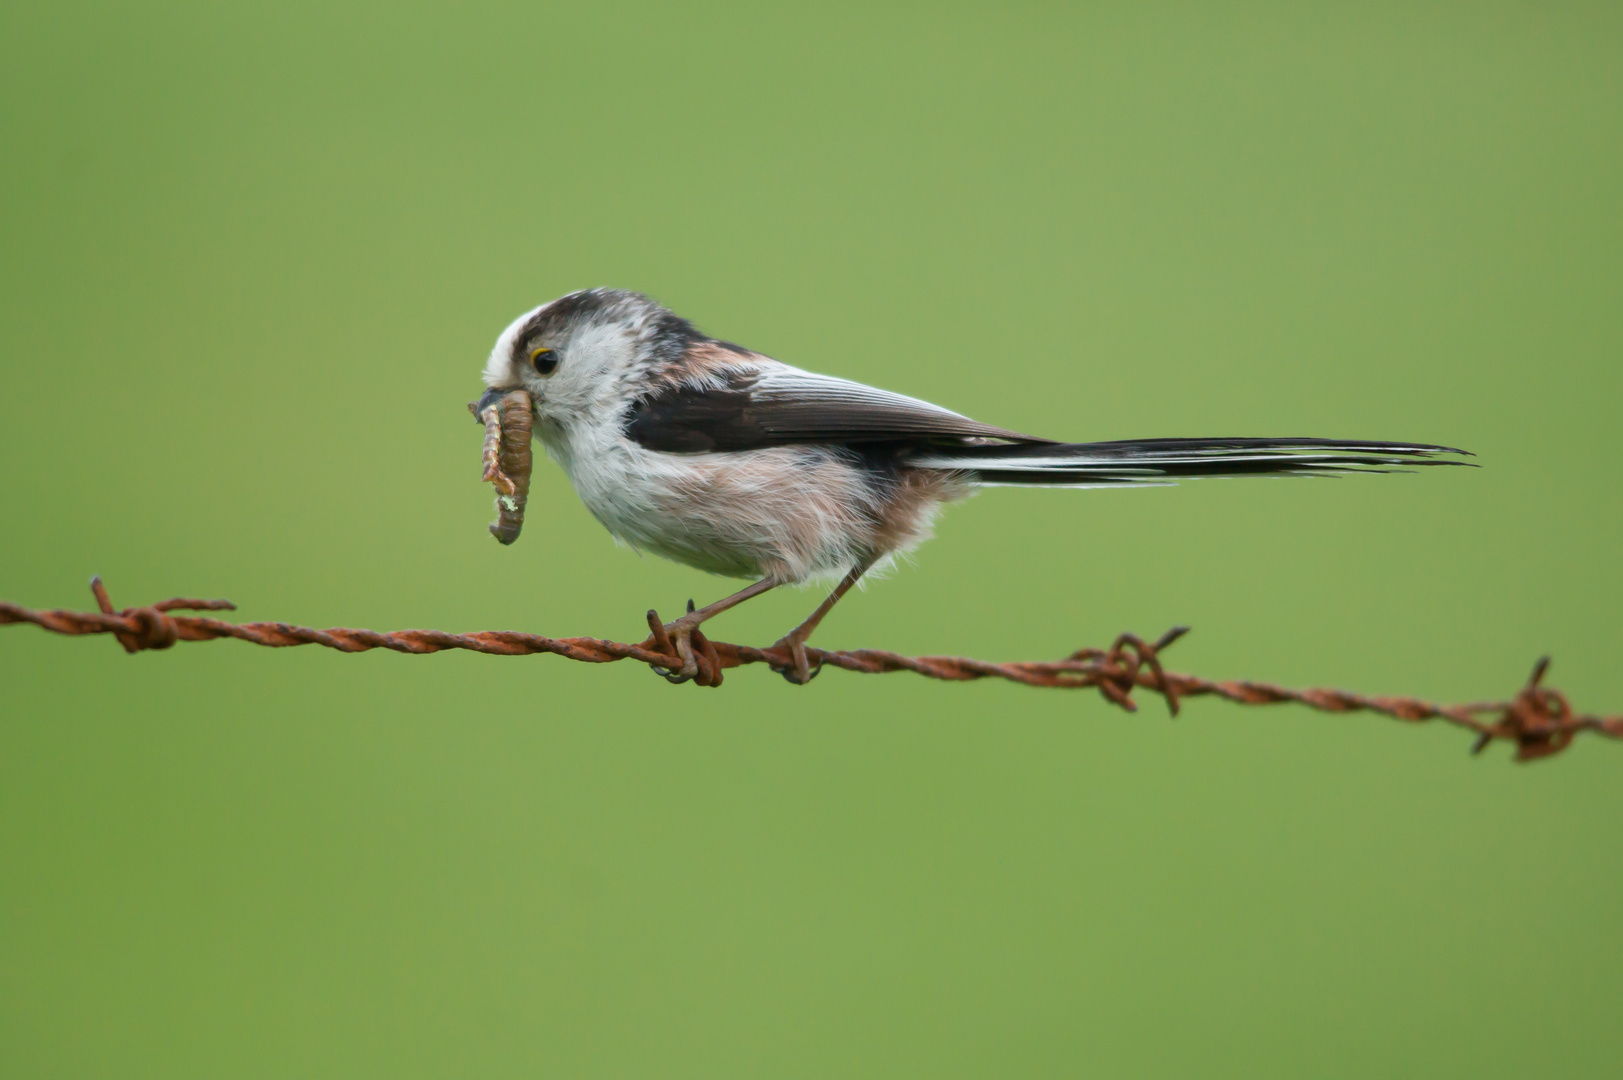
(545, 361)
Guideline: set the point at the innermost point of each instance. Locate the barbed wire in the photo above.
(1539, 719)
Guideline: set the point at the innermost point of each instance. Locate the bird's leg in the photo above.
(680, 631)
(801, 674)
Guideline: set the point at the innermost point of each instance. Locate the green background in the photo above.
(252, 260)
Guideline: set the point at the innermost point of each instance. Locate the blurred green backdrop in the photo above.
(252, 259)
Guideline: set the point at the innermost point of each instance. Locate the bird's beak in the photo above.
(491, 397)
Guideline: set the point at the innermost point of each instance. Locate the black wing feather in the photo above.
(752, 410)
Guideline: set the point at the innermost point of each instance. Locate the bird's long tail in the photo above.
(1139, 462)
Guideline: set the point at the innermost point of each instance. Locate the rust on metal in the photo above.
(1538, 720)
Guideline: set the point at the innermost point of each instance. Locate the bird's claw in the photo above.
(683, 641)
(800, 672)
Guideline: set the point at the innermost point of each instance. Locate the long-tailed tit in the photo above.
(727, 460)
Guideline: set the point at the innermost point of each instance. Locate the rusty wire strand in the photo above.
(1539, 719)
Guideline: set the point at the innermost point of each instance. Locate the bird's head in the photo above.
(585, 354)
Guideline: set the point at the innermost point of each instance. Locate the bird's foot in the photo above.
(682, 640)
(800, 672)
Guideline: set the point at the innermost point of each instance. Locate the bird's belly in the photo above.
(789, 513)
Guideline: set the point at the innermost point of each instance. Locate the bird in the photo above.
(727, 460)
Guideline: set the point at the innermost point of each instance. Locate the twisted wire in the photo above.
(1539, 719)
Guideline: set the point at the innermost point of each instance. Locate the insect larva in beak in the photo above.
(507, 461)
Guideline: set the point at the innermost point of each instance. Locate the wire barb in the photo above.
(1539, 719)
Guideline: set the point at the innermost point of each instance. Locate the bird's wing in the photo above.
(747, 407)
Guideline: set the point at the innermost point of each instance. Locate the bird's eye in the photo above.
(545, 361)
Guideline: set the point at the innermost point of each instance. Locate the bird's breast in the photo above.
(790, 512)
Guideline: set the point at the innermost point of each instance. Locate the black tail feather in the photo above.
(1159, 461)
